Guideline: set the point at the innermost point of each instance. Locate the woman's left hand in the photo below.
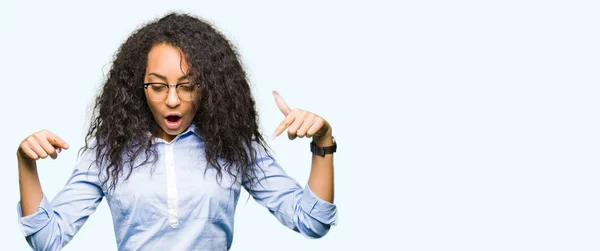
(300, 123)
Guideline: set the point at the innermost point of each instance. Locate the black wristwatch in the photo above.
(321, 151)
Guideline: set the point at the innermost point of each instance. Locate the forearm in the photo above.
(321, 173)
(29, 185)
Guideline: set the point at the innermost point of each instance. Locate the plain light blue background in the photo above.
(462, 125)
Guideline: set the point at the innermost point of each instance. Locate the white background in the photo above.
(462, 125)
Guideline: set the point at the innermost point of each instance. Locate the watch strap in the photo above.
(322, 151)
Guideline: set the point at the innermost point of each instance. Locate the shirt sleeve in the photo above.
(55, 223)
(295, 207)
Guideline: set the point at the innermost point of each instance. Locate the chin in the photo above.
(174, 132)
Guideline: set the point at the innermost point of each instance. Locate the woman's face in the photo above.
(173, 107)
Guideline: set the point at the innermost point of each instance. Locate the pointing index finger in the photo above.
(283, 107)
(57, 141)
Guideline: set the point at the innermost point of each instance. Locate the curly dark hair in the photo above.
(226, 116)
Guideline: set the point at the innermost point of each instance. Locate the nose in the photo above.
(172, 98)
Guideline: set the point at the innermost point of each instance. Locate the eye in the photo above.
(186, 87)
(158, 87)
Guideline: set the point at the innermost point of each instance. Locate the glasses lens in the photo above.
(186, 91)
(157, 92)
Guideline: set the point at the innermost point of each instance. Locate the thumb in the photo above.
(283, 107)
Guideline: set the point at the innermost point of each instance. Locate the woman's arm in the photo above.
(29, 185)
(296, 207)
(51, 225)
(39, 145)
(309, 210)
(321, 172)
(301, 123)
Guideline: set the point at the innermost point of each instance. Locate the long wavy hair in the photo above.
(226, 116)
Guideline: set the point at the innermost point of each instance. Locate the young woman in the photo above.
(173, 138)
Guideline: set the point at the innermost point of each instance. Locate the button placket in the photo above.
(171, 186)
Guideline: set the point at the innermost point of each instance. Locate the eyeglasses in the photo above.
(159, 91)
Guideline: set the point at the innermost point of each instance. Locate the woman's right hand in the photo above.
(41, 145)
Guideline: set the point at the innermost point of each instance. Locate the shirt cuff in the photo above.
(317, 208)
(33, 223)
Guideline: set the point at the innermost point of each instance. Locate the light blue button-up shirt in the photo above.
(175, 203)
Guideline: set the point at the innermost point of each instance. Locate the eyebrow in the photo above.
(165, 78)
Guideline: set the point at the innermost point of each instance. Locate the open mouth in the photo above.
(173, 121)
(173, 118)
